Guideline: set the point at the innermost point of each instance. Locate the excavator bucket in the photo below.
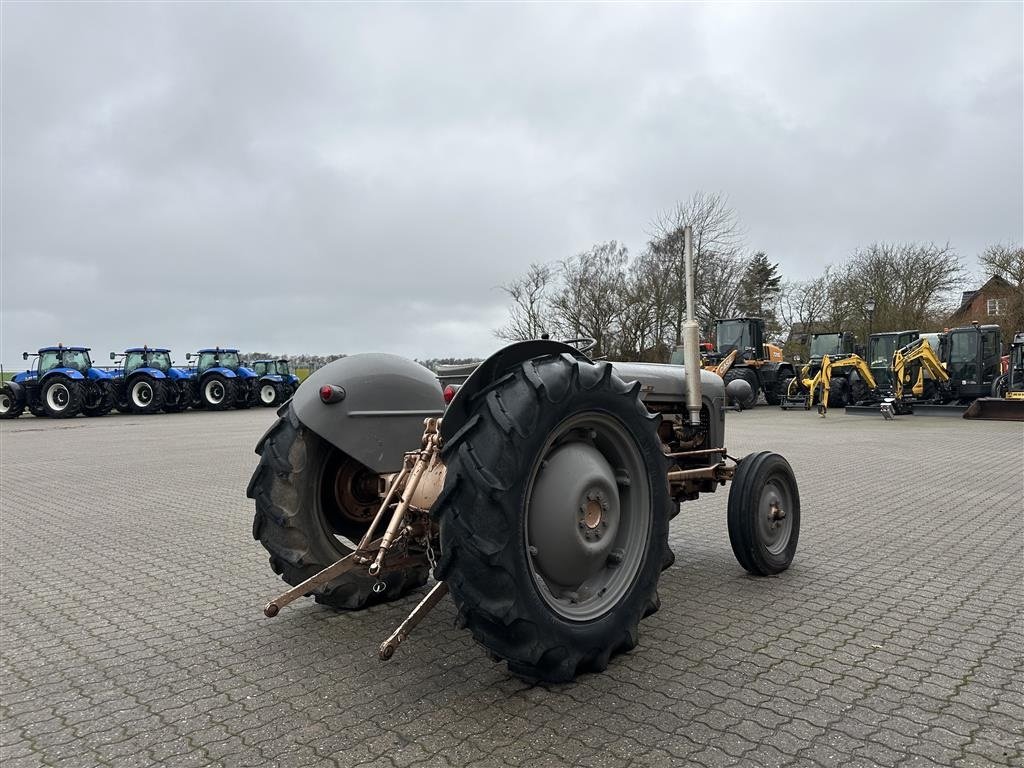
(1009, 408)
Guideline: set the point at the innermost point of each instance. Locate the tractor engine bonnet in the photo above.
(380, 417)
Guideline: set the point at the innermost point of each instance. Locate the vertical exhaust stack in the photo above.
(691, 336)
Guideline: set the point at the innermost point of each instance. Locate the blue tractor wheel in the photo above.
(61, 397)
(217, 392)
(145, 395)
(10, 407)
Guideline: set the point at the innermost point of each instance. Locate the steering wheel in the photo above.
(583, 343)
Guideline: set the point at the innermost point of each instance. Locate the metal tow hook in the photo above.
(388, 647)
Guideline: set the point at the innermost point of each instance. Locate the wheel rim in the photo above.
(57, 397)
(267, 394)
(588, 516)
(5, 402)
(774, 521)
(142, 394)
(215, 392)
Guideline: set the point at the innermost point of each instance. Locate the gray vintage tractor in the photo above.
(539, 496)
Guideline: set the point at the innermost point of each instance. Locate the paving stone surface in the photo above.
(132, 635)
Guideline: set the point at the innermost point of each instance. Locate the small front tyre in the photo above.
(764, 513)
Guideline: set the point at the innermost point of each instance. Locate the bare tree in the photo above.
(591, 296)
(528, 313)
(717, 235)
(721, 275)
(1007, 261)
(912, 284)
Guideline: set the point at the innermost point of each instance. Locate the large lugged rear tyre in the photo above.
(554, 517)
(217, 392)
(300, 521)
(10, 407)
(764, 513)
(61, 397)
(145, 395)
(271, 394)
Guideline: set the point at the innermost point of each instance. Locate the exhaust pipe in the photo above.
(691, 336)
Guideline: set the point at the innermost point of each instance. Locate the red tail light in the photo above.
(449, 393)
(331, 394)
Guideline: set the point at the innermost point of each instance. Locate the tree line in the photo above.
(632, 305)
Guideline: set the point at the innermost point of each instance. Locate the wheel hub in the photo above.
(573, 540)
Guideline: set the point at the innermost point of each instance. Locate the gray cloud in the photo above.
(339, 178)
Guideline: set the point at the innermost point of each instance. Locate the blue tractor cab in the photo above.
(276, 381)
(147, 382)
(221, 381)
(62, 384)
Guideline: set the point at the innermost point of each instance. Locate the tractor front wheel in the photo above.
(764, 513)
(10, 407)
(554, 518)
(313, 503)
(61, 398)
(217, 392)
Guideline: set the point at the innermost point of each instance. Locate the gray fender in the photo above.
(381, 416)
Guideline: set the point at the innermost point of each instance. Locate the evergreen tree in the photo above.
(760, 287)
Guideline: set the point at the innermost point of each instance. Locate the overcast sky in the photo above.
(344, 178)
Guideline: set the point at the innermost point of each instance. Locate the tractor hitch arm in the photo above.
(388, 647)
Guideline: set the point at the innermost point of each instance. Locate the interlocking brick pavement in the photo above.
(132, 634)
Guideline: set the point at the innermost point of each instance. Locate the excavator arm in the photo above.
(823, 377)
(916, 351)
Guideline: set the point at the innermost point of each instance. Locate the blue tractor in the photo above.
(147, 382)
(276, 381)
(221, 381)
(62, 384)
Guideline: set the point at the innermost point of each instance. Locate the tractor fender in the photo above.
(380, 416)
(176, 374)
(17, 391)
(151, 372)
(67, 373)
(493, 368)
(227, 373)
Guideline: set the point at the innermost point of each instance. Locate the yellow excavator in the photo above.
(921, 352)
(820, 383)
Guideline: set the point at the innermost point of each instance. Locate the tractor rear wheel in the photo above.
(554, 517)
(271, 394)
(838, 393)
(217, 392)
(774, 392)
(764, 513)
(61, 398)
(97, 402)
(747, 375)
(10, 408)
(313, 503)
(145, 395)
